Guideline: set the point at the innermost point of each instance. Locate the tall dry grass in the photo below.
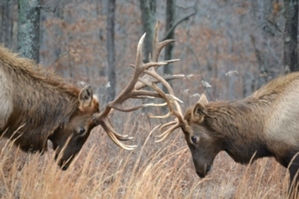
(152, 170)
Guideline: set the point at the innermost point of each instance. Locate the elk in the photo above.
(37, 105)
(265, 124)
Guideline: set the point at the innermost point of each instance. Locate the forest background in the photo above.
(227, 49)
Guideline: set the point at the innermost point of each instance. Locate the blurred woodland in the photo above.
(227, 49)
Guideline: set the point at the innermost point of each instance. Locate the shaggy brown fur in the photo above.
(43, 106)
(263, 124)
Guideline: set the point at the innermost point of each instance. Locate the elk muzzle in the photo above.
(63, 163)
(202, 169)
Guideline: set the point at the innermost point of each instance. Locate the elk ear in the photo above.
(203, 99)
(85, 96)
(199, 112)
(82, 84)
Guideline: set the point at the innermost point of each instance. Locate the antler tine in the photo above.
(167, 78)
(156, 50)
(115, 137)
(170, 100)
(158, 46)
(166, 133)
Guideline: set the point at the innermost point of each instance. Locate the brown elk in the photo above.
(265, 124)
(37, 105)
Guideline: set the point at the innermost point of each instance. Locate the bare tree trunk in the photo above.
(110, 70)
(148, 16)
(58, 32)
(28, 29)
(6, 23)
(170, 20)
(290, 49)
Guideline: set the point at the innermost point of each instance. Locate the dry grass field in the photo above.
(225, 37)
(152, 170)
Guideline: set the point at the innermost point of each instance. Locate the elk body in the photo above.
(37, 105)
(265, 124)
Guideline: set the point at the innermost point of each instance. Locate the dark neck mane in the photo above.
(239, 127)
(28, 68)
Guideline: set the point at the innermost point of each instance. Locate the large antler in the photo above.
(171, 101)
(174, 109)
(134, 88)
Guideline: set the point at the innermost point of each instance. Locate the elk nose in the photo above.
(200, 174)
(64, 167)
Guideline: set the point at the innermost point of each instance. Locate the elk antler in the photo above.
(171, 101)
(174, 109)
(134, 88)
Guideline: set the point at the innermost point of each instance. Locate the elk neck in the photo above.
(40, 100)
(239, 127)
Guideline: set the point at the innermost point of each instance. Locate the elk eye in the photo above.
(81, 130)
(194, 139)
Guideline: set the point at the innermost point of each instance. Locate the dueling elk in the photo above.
(37, 105)
(265, 124)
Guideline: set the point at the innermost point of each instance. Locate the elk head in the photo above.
(69, 138)
(88, 115)
(202, 142)
(203, 145)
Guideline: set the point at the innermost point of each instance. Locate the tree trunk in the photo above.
(148, 17)
(110, 70)
(170, 20)
(290, 50)
(28, 28)
(6, 23)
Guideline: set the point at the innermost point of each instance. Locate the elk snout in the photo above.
(63, 164)
(64, 167)
(202, 172)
